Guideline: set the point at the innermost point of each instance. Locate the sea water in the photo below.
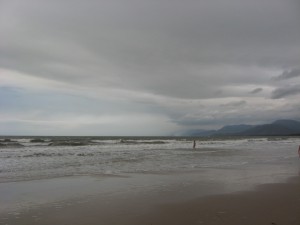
(29, 158)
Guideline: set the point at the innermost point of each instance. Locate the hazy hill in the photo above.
(291, 124)
(277, 128)
(233, 129)
(198, 132)
(267, 129)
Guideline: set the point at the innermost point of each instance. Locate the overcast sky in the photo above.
(146, 67)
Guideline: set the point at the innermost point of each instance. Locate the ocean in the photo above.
(30, 158)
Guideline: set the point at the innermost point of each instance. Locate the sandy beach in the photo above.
(277, 203)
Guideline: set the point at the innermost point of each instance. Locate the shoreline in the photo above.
(159, 199)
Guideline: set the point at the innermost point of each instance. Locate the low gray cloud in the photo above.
(286, 91)
(288, 74)
(256, 90)
(235, 104)
(196, 61)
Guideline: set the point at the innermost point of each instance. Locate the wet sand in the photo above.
(274, 204)
(277, 204)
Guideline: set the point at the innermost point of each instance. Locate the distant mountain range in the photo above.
(277, 128)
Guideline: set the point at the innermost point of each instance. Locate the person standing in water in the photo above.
(194, 144)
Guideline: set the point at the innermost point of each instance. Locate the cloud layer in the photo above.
(146, 67)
